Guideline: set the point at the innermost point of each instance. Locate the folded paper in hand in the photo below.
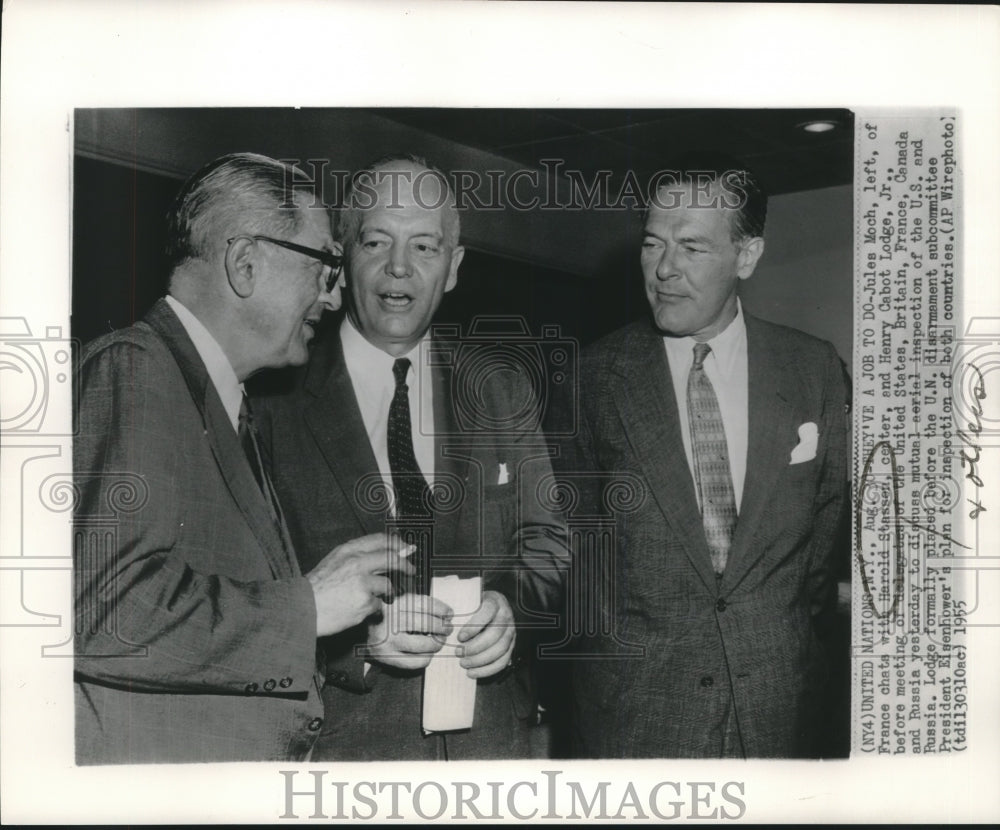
(449, 693)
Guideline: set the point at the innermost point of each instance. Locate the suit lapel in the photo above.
(771, 388)
(334, 418)
(648, 410)
(223, 441)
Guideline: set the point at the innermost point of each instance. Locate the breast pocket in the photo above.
(499, 511)
(802, 477)
(796, 495)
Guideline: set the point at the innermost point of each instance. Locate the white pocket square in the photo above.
(502, 475)
(805, 450)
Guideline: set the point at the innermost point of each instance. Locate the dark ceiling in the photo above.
(785, 157)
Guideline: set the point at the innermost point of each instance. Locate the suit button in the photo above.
(285, 682)
(269, 686)
(251, 688)
(720, 605)
(315, 724)
(339, 677)
(707, 681)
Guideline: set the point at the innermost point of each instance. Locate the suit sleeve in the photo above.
(151, 612)
(537, 547)
(832, 497)
(580, 477)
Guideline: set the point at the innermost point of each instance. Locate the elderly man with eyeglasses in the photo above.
(196, 630)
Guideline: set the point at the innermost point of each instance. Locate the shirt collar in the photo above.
(220, 370)
(726, 345)
(368, 361)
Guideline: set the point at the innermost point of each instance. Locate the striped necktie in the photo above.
(712, 477)
(251, 449)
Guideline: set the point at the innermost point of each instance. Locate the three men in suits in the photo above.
(733, 429)
(377, 433)
(196, 630)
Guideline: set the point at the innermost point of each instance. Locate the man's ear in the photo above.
(456, 260)
(239, 266)
(751, 250)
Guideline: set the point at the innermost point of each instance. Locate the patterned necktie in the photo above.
(248, 440)
(712, 478)
(408, 482)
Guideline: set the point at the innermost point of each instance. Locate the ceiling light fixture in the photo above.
(818, 126)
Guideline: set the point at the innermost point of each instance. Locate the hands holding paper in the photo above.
(411, 631)
(488, 637)
(414, 627)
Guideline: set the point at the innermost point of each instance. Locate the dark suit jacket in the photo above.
(322, 465)
(195, 632)
(748, 639)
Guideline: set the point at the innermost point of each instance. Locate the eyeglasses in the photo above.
(335, 262)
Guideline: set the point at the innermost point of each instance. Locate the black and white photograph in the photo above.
(379, 450)
(519, 359)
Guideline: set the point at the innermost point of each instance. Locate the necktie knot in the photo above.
(399, 371)
(701, 351)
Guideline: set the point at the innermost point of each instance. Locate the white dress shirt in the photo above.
(220, 370)
(726, 368)
(370, 370)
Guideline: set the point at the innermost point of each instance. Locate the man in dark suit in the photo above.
(195, 628)
(384, 403)
(732, 432)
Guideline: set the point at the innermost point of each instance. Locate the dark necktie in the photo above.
(712, 477)
(248, 440)
(413, 509)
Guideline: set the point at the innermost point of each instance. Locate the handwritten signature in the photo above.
(969, 456)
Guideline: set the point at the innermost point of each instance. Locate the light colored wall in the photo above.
(805, 279)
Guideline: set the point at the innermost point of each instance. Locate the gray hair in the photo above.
(359, 197)
(240, 193)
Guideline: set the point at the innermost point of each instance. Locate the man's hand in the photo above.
(350, 580)
(411, 631)
(488, 637)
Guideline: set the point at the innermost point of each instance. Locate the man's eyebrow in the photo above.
(695, 238)
(686, 239)
(379, 229)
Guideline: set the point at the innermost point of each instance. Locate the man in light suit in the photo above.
(195, 629)
(738, 454)
(384, 402)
